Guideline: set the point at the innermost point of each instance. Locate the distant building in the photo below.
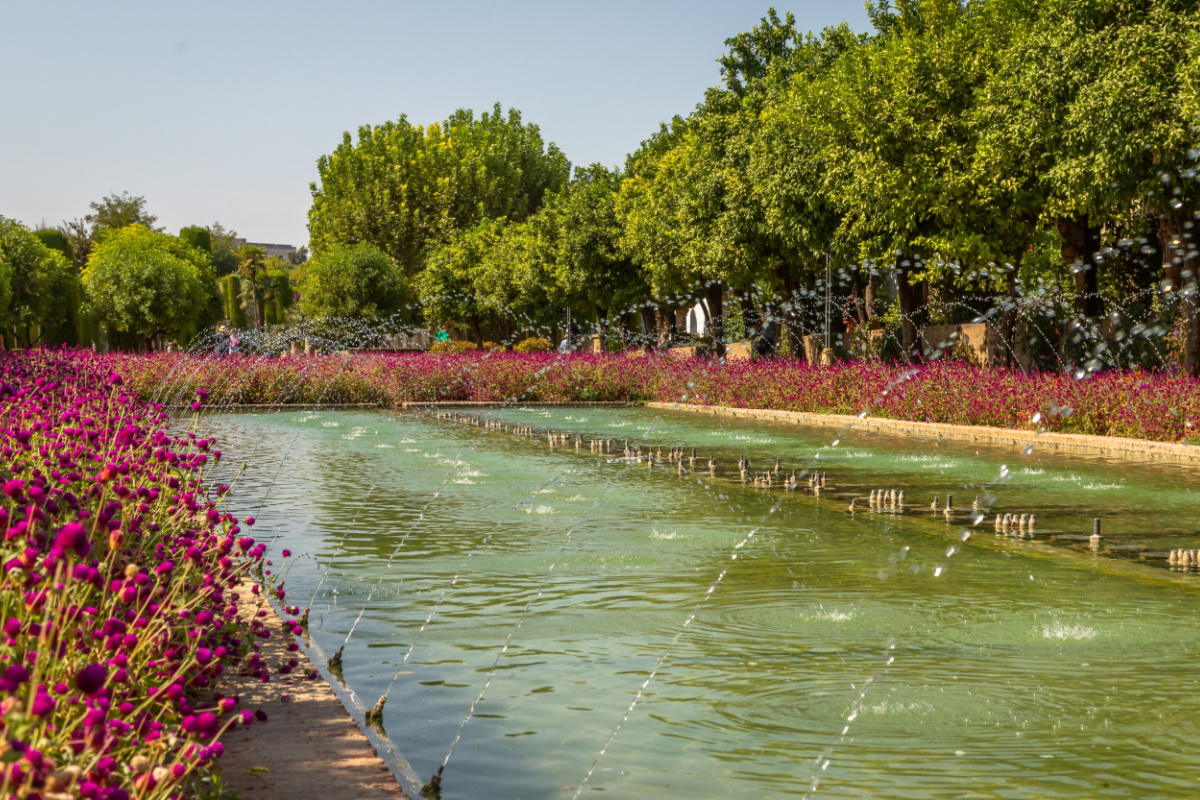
(284, 251)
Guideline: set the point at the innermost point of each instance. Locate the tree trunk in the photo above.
(602, 316)
(860, 307)
(869, 295)
(648, 322)
(751, 319)
(907, 295)
(1180, 270)
(1008, 320)
(664, 320)
(713, 297)
(477, 332)
(787, 312)
(1079, 246)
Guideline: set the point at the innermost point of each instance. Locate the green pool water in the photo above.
(993, 667)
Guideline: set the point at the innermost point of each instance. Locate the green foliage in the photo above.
(231, 300)
(223, 247)
(582, 233)
(449, 347)
(142, 284)
(38, 288)
(406, 188)
(534, 344)
(118, 211)
(446, 286)
(197, 237)
(56, 240)
(357, 280)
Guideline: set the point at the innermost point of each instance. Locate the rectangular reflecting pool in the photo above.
(525, 594)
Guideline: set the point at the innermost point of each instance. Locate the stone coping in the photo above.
(310, 746)
(518, 404)
(1142, 449)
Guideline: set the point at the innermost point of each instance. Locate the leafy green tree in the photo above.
(39, 285)
(446, 287)
(582, 237)
(1090, 116)
(357, 280)
(405, 188)
(514, 280)
(197, 237)
(55, 239)
(223, 247)
(142, 284)
(118, 211)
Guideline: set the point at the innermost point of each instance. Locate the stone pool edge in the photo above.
(1068, 442)
(319, 711)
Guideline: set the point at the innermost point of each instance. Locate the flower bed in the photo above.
(119, 601)
(1161, 407)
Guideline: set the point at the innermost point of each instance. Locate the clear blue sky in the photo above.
(218, 111)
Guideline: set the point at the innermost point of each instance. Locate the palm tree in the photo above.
(250, 263)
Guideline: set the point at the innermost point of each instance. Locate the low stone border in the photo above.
(503, 404)
(1143, 449)
(309, 747)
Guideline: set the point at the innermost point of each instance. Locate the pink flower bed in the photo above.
(119, 605)
(1162, 407)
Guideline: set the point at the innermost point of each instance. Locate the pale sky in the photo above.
(218, 111)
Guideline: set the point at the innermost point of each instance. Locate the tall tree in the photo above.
(142, 284)
(352, 280)
(223, 247)
(582, 234)
(252, 262)
(405, 188)
(197, 237)
(118, 211)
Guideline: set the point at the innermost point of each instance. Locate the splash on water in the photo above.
(829, 615)
(1064, 631)
(886, 707)
(1084, 483)
(539, 510)
(655, 533)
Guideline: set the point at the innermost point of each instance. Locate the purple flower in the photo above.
(15, 675)
(90, 679)
(43, 704)
(72, 537)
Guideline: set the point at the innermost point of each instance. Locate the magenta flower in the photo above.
(91, 678)
(72, 537)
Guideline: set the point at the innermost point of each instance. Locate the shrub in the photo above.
(450, 347)
(534, 344)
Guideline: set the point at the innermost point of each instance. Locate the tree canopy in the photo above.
(143, 284)
(357, 280)
(405, 188)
